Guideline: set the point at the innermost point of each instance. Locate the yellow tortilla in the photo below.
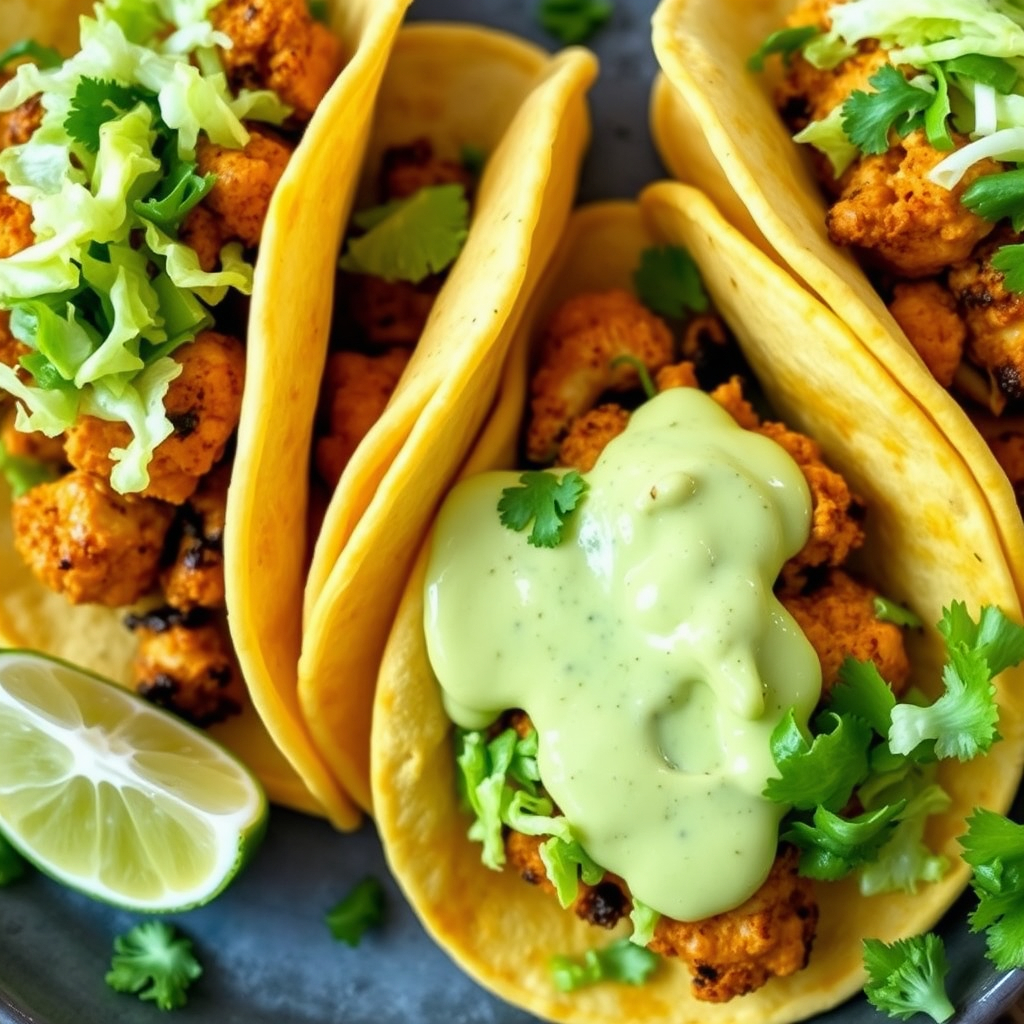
(931, 539)
(706, 97)
(456, 85)
(31, 616)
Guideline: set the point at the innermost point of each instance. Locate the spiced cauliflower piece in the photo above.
(730, 954)
(927, 313)
(196, 576)
(589, 434)
(391, 312)
(184, 664)
(29, 444)
(357, 388)
(836, 529)
(583, 338)
(15, 224)
(994, 316)
(203, 403)
(85, 541)
(839, 620)
(246, 179)
(902, 221)
(276, 44)
(18, 125)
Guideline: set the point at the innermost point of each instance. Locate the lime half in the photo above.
(115, 797)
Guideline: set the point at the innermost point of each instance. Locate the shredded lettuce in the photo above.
(113, 162)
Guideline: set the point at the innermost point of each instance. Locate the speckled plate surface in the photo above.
(268, 956)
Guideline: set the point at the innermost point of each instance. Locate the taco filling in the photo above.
(137, 175)
(395, 263)
(915, 114)
(617, 705)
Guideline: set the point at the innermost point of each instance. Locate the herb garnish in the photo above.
(544, 499)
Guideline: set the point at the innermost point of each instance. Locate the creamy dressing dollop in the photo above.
(647, 648)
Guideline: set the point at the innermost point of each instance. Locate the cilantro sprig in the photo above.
(668, 282)
(896, 104)
(361, 909)
(98, 101)
(883, 752)
(543, 499)
(623, 961)
(908, 977)
(156, 963)
(994, 847)
(573, 21)
(409, 239)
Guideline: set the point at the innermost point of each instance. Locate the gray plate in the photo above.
(268, 957)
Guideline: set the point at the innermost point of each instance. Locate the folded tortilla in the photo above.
(931, 539)
(706, 100)
(32, 616)
(457, 86)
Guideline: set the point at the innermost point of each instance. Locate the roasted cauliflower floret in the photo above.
(15, 224)
(994, 317)
(246, 179)
(276, 44)
(18, 125)
(903, 222)
(392, 312)
(404, 170)
(730, 954)
(203, 403)
(356, 391)
(184, 663)
(927, 314)
(196, 577)
(89, 543)
(589, 434)
(203, 231)
(582, 340)
(839, 620)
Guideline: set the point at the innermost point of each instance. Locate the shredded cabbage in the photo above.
(84, 297)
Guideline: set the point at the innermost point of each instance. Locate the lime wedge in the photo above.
(115, 797)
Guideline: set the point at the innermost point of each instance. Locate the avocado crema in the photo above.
(647, 648)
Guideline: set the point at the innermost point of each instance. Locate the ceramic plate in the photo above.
(268, 956)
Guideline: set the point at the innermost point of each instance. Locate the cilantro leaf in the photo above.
(95, 103)
(175, 196)
(896, 104)
(622, 961)
(409, 239)
(995, 196)
(831, 846)
(1010, 260)
(573, 21)
(897, 614)
(823, 772)
(12, 864)
(862, 691)
(360, 910)
(994, 847)
(668, 282)
(152, 961)
(908, 977)
(543, 499)
(786, 41)
(29, 49)
(962, 722)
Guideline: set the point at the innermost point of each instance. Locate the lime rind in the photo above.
(114, 797)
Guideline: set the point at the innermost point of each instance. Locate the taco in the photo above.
(427, 352)
(760, 962)
(898, 256)
(124, 370)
